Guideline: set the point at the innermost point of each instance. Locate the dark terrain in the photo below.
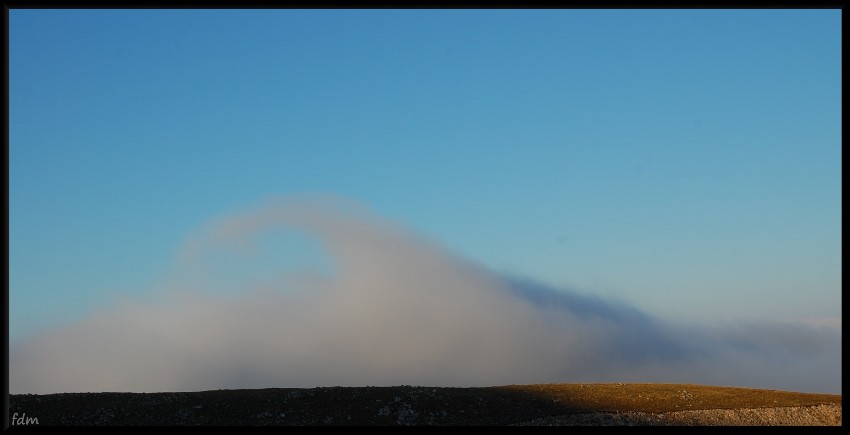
(543, 404)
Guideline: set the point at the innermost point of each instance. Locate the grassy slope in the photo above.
(394, 405)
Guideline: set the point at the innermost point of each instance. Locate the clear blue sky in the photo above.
(688, 162)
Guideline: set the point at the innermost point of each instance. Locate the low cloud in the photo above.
(397, 309)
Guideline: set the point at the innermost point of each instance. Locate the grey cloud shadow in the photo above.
(638, 336)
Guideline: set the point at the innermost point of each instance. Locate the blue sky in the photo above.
(687, 162)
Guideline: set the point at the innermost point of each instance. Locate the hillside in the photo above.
(544, 404)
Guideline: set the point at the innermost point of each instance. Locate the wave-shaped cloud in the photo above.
(398, 309)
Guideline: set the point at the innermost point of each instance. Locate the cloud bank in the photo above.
(398, 309)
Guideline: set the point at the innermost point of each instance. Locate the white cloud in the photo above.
(398, 310)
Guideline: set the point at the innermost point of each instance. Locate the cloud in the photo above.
(397, 309)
